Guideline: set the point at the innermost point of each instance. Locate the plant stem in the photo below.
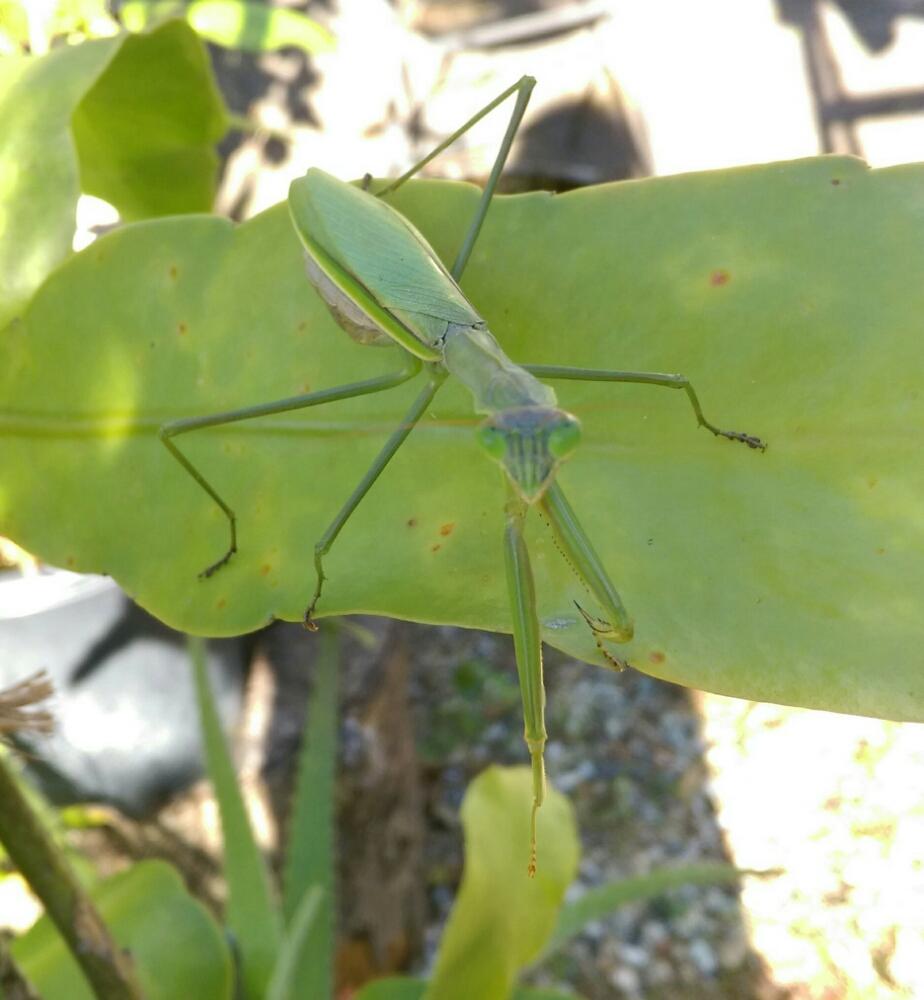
(107, 968)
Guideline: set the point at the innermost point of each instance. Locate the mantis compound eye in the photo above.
(564, 438)
(493, 440)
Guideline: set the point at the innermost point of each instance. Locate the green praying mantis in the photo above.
(385, 285)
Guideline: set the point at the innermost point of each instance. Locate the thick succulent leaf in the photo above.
(38, 162)
(131, 119)
(146, 131)
(788, 293)
(502, 919)
(177, 947)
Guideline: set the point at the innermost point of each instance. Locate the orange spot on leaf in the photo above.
(719, 277)
(221, 603)
(447, 529)
(265, 569)
(656, 656)
(173, 272)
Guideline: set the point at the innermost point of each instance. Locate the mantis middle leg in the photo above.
(646, 378)
(176, 427)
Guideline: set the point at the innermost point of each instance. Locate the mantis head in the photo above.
(529, 443)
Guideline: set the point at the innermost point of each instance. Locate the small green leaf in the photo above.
(398, 988)
(310, 862)
(502, 919)
(540, 993)
(250, 914)
(603, 900)
(393, 988)
(251, 27)
(178, 948)
(292, 975)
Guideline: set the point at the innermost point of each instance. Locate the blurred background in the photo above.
(626, 89)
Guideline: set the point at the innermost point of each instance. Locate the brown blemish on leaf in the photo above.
(880, 552)
(656, 656)
(412, 522)
(719, 277)
(447, 529)
(69, 561)
(181, 328)
(872, 482)
(265, 569)
(436, 547)
(221, 603)
(173, 272)
(302, 327)
(835, 181)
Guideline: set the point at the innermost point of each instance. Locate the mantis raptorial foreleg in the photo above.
(576, 547)
(391, 446)
(176, 427)
(645, 378)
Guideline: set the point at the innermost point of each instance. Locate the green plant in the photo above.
(788, 293)
(502, 923)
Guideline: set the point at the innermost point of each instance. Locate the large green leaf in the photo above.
(789, 294)
(502, 919)
(133, 118)
(179, 950)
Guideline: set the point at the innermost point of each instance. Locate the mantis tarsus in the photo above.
(384, 284)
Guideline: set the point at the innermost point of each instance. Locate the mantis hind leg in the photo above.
(523, 88)
(175, 428)
(389, 449)
(528, 647)
(647, 378)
